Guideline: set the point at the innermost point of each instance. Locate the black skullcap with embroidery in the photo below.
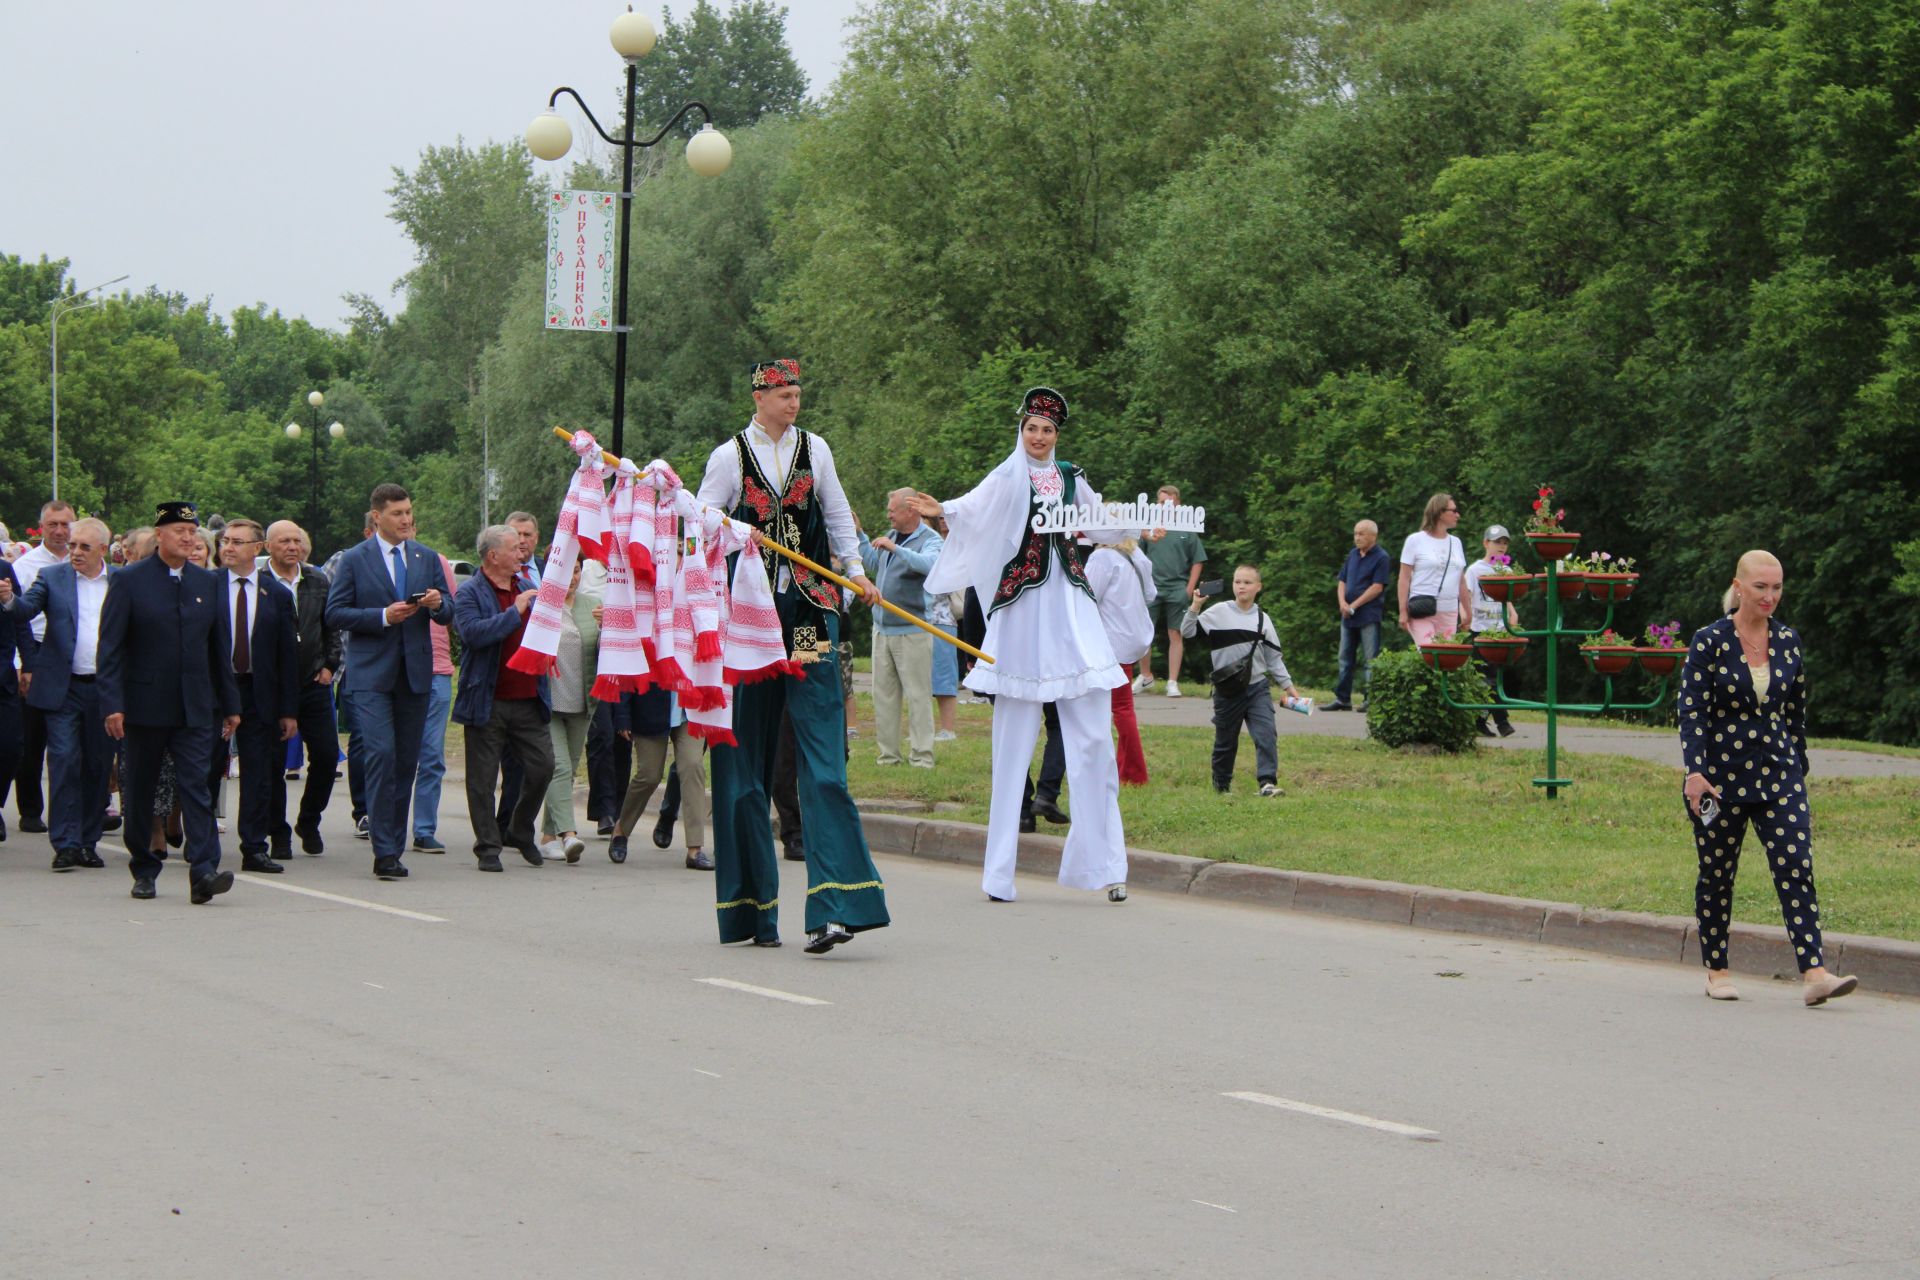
(176, 513)
(1046, 403)
(776, 373)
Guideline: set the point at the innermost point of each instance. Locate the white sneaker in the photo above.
(573, 847)
(550, 850)
(1173, 689)
(1143, 682)
(945, 735)
(1269, 789)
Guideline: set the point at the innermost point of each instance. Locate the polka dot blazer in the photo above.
(1753, 751)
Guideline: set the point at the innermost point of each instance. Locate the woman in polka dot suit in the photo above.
(1743, 735)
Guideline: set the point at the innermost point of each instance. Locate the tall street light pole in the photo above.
(708, 154)
(336, 431)
(59, 307)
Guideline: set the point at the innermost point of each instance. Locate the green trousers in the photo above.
(842, 885)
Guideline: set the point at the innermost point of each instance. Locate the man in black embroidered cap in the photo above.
(166, 685)
(781, 480)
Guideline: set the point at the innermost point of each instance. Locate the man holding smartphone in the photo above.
(387, 590)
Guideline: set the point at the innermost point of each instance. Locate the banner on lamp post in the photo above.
(580, 261)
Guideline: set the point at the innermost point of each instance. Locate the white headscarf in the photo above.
(991, 529)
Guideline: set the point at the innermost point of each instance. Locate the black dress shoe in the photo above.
(663, 833)
(389, 868)
(606, 826)
(991, 898)
(427, 844)
(310, 841)
(280, 852)
(489, 861)
(89, 857)
(1051, 811)
(33, 826)
(766, 942)
(1027, 824)
(820, 941)
(143, 889)
(531, 852)
(265, 866)
(701, 861)
(1338, 706)
(617, 848)
(66, 859)
(1506, 729)
(110, 823)
(207, 888)
(794, 853)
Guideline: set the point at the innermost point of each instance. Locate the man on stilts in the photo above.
(781, 480)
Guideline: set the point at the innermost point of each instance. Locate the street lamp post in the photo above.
(336, 430)
(59, 307)
(708, 154)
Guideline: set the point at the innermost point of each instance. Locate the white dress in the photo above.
(1049, 645)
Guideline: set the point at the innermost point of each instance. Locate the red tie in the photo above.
(242, 644)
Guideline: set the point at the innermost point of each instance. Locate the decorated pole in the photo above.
(829, 575)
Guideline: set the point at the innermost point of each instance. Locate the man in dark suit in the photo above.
(385, 592)
(166, 686)
(260, 616)
(315, 666)
(63, 665)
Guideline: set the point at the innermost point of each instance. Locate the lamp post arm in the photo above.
(678, 116)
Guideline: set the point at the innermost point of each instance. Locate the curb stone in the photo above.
(1884, 965)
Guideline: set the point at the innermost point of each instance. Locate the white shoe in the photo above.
(945, 735)
(1173, 689)
(1270, 789)
(1142, 682)
(573, 847)
(551, 850)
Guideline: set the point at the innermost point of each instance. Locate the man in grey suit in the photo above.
(382, 596)
(64, 665)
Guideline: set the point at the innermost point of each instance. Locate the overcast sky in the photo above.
(241, 149)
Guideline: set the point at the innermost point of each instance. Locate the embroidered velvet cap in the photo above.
(776, 373)
(1047, 403)
(176, 513)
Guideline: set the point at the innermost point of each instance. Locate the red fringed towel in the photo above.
(582, 511)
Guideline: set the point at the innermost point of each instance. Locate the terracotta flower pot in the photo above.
(1659, 662)
(1572, 585)
(1611, 588)
(1553, 546)
(1500, 653)
(1609, 660)
(1446, 655)
(1508, 586)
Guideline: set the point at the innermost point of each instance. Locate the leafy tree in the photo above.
(26, 288)
(738, 64)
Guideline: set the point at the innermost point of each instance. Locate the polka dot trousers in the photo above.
(1787, 839)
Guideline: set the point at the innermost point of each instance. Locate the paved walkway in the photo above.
(1196, 709)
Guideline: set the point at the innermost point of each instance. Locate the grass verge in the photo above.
(1617, 839)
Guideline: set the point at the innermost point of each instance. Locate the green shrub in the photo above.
(1404, 705)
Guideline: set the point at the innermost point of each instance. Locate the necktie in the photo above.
(242, 642)
(399, 576)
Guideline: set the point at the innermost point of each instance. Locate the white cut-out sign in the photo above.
(1057, 517)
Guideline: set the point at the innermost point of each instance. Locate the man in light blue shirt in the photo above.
(902, 653)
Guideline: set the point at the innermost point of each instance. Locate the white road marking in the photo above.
(402, 912)
(269, 883)
(1222, 1207)
(376, 986)
(1345, 1117)
(714, 1074)
(768, 992)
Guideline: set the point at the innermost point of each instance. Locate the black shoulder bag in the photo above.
(1427, 606)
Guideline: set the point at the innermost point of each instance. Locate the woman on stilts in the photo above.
(1048, 644)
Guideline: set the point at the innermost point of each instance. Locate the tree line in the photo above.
(1310, 261)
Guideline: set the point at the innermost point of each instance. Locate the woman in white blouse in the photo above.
(1433, 583)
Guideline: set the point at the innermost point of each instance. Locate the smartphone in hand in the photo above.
(416, 597)
(1216, 587)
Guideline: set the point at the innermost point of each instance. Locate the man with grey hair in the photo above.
(318, 649)
(526, 527)
(1359, 589)
(504, 710)
(68, 598)
(898, 563)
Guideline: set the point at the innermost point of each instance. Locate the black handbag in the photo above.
(1427, 606)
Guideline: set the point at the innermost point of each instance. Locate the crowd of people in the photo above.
(153, 664)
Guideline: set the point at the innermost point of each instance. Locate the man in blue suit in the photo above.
(260, 617)
(383, 595)
(166, 686)
(64, 664)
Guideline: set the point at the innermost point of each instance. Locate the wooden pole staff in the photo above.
(566, 435)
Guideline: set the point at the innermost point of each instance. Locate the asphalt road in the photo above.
(545, 1081)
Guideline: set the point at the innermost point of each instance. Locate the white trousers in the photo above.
(1096, 852)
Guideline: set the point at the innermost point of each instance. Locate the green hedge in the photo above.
(1404, 705)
